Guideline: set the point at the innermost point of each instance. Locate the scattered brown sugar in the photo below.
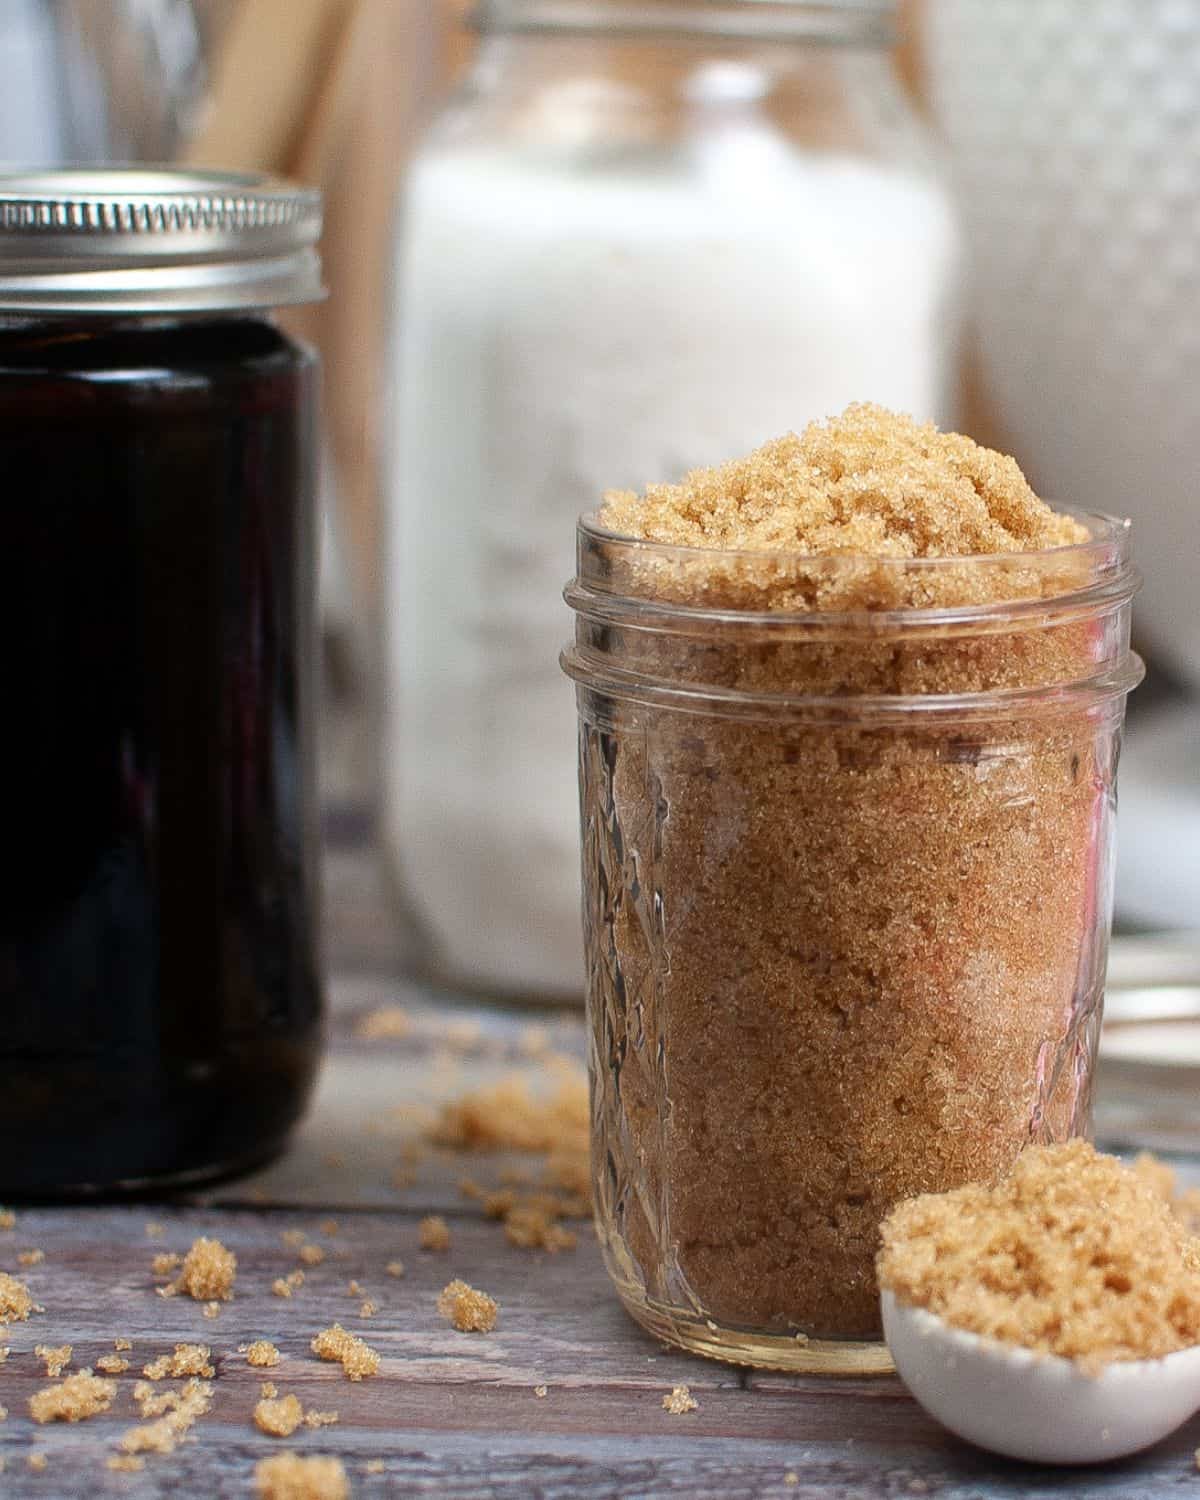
(208, 1271)
(791, 1477)
(262, 1354)
(367, 1308)
(37, 1462)
(509, 1115)
(541, 1391)
(395, 1268)
(112, 1364)
(120, 1344)
(373, 1466)
(31, 1257)
(280, 1417)
(329, 1227)
(531, 1227)
(287, 1476)
(434, 1233)
(268, 1389)
(353, 1289)
(389, 1023)
(3, 1413)
(321, 1418)
(15, 1302)
(334, 1159)
(679, 1401)
(293, 1238)
(347, 1349)
(8, 1219)
(56, 1358)
(126, 1463)
(188, 1359)
(78, 1397)
(165, 1262)
(311, 1255)
(182, 1409)
(1072, 1254)
(5, 1351)
(470, 1311)
(834, 932)
(212, 1309)
(155, 1230)
(284, 1286)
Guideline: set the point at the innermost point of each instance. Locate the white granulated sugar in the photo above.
(565, 332)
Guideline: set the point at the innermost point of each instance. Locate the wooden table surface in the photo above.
(450, 1414)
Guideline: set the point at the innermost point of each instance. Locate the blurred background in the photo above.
(574, 244)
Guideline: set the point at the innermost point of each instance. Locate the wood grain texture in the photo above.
(453, 1415)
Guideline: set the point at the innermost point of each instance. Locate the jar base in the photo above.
(764, 1351)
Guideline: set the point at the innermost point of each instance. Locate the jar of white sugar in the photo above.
(643, 236)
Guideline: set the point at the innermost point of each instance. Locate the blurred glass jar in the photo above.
(642, 238)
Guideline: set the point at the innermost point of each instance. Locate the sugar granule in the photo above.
(311, 1255)
(262, 1354)
(188, 1359)
(122, 1344)
(373, 1466)
(329, 1227)
(212, 1310)
(3, 1413)
(165, 1262)
(316, 1419)
(37, 1462)
(1072, 1253)
(281, 1288)
(433, 1233)
(395, 1268)
(541, 1391)
(155, 1230)
(287, 1476)
(208, 1272)
(367, 1308)
(125, 1463)
(8, 1219)
(112, 1364)
(680, 1401)
(293, 1238)
(183, 1408)
(56, 1358)
(5, 1351)
(77, 1398)
(388, 1023)
(469, 1310)
(356, 1358)
(279, 1417)
(31, 1257)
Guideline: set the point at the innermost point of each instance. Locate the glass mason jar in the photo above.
(159, 979)
(847, 892)
(641, 238)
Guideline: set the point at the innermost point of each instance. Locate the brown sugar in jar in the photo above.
(849, 712)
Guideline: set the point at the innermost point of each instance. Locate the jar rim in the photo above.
(1103, 560)
(835, 22)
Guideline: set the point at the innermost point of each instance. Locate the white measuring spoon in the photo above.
(1039, 1407)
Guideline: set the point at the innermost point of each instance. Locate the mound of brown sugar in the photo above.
(356, 1358)
(15, 1302)
(469, 1310)
(74, 1400)
(208, 1271)
(870, 482)
(287, 1476)
(1072, 1253)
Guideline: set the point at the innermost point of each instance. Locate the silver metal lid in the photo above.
(111, 240)
(845, 22)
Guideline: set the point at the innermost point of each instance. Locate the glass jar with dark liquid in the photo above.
(160, 1002)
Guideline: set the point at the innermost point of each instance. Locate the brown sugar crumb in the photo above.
(287, 1476)
(3, 1413)
(208, 1271)
(1071, 1254)
(329, 1227)
(293, 1238)
(170, 1290)
(8, 1219)
(541, 1391)
(120, 1344)
(155, 1230)
(78, 1397)
(373, 1466)
(125, 1463)
(284, 1286)
(165, 1262)
(334, 1159)
(55, 1358)
(470, 1311)
(870, 482)
(15, 1302)
(508, 1115)
(262, 1354)
(112, 1364)
(354, 1289)
(791, 1477)
(311, 1255)
(279, 1418)
(321, 1418)
(268, 1389)
(680, 1401)
(532, 1228)
(395, 1268)
(347, 1349)
(31, 1257)
(388, 1023)
(5, 1351)
(367, 1308)
(37, 1462)
(212, 1309)
(434, 1233)
(182, 1409)
(188, 1359)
